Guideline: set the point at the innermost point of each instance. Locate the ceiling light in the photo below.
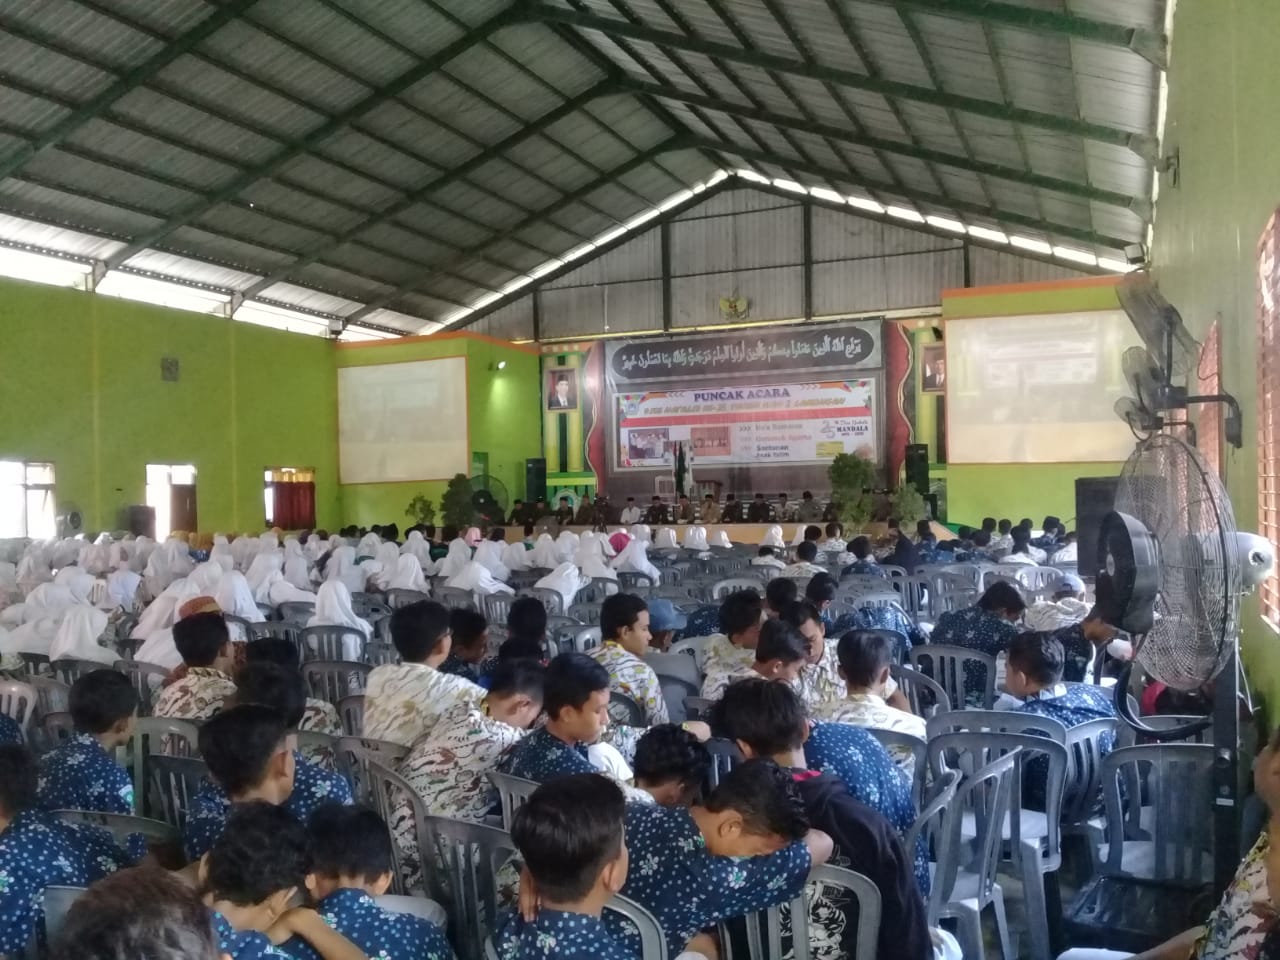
(752, 176)
(822, 193)
(790, 185)
(1075, 256)
(986, 233)
(945, 223)
(1028, 243)
(1114, 266)
(904, 213)
(502, 364)
(862, 203)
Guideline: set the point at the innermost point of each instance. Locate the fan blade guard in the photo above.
(1129, 573)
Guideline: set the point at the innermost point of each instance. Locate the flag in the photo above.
(681, 469)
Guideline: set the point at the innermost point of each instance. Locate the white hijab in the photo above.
(416, 544)
(666, 539)
(489, 555)
(206, 576)
(799, 537)
(566, 546)
(259, 575)
(222, 553)
(515, 556)
(368, 545)
(478, 580)
(695, 538)
(566, 581)
(590, 559)
(721, 539)
(122, 587)
(77, 637)
(170, 561)
(32, 571)
(159, 647)
(244, 549)
(635, 558)
(235, 597)
(641, 531)
(296, 568)
(66, 552)
(383, 566)
(773, 538)
(77, 581)
(161, 613)
(408, 575)
(459, 556)
(544, 554)
(333, 609)
(314, 547)
(281, 591)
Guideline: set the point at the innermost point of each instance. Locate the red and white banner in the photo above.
(792, 423)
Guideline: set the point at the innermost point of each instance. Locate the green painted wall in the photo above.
(80, 386)
(504, 409)
(1017, 490)
(1222, 82)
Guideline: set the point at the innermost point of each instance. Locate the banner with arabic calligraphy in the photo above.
(810, 349)
(737, 424)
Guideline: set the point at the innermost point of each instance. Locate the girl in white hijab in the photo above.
(314, 548)
(333, 609)
(77, 581)
(416, 544)
(296, 568)
(221, 552)
(244, 549)
(544, 553)
(721, 539)
(635, 558)
(408, 575)
(566, 581)
(695, 538)
(773, 538)
(641, 531)
(383, 566)
(342, 566)
(368, 546)
(458, 557)
(268, 542)
(666, 539)
(235, 597)
(799, 537)
(478, 580)
(122, 587)
(515, 556)
(489, 556)
(140, 553)
(259, 575)
(77, 637)
(66, 552)
(566, 546)
(169, 562)
(32, 571)
(42, 614)
(590, 558)
(159, 647)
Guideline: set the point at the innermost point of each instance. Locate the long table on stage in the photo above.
(748, 533)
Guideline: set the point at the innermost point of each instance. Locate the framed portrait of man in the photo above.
(933, 368)
(562, 389)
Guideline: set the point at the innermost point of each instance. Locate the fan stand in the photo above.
(1228, 787)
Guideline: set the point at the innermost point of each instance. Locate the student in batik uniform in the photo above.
(889, 616)
(570, 837)
(821, 592)
(250, 876)
(819, 682)
(749, 847)
(671, 764)
(864, 563)
(767, 720)
(870, 701)
(733, 650)
(468, 645)
(81, 773)
(987, 627)
(351, 864)
(624, 626)
(806, 565)
(206, 649)
(447, 768)
(781, 653)
(37, 850)
(1081, 642)
(320, 716)
(403, 701)
(10, 732)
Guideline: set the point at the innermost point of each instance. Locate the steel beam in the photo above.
(1144, 146)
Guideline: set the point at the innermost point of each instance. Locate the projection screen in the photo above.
(403, 421)
(1037, 389)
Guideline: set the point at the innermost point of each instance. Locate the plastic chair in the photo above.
(1127, 736)
(266, 609)
(552, 600)
(386, 790)
(467, 857)
(421, 907)
(1082, 795)
(924, 694)
(35, 664)
(653, 943)
(676, 666)
(351, 711)
(58, 901)
(332, 680)
(297, 611)
(913, 592)
(942, 795)
(401, 597)
(153, 737)
(725, 587)
(695, 647)
(725, 755)
(381, 652)
(512, 793)
(239, 627)
(624, 710)
(770, 932)
(586, 638)
(674, 692)
(121, 826)
(455, 598)
(697, 708)
(496, 607)
(355, 755)
(282, 629)
(898, 743)
(52, 696)
(142, 675)
(946, 666)
(175, 781)
(367, 605)
(330, 643)
(632, 581)
(18, 701)
(70, 670)
(587, 612)
(55, 728)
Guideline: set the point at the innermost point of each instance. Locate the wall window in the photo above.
(1269, 405)
(27, 504)
(1209, 417)
(289, 495)
(171, 492)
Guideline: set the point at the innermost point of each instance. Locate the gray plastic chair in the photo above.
(586, 638)
(381, 651)
(927, 825)
(414, 906)
(351, 712)
(723, 588)
(624, 710)
(512, 793)
(297, 611)
(725, 755)
(695, 647)
(653, 943)
(455, 598)
(332, 680)
(174, 782)
(19, 701)
(945, 665)
(587, 611)
(401, 597)
(356, 753)
(329, 642)
(146, 678)
(552, 600)
(913, 592)
(697, 708)
(674, 693)
(632, 581)
(924, 694)
(281, 629)
(121, 826)
(387, 789)
(496, 607)
(677, 666)
(58, 901)
(1082, 796)
(154, 737)
(900, 744)
(241, 628)
(1127, 736)
(467, 858)
(70, 670)
(55, 728)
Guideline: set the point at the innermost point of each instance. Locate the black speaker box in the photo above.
(535, 478)
(1095, 498)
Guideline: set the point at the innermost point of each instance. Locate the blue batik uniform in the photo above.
(979, 630)
(703, 622)
(81, 775)
(313, 787)
(864, 568)
(542, 756)
(687, 888)
(556, 935)
(1078, 652)
(888, 617)
(37, 850)
(249, 945)
(10, 732)
(381, 934)
(1071, 704)
(455, 665)
(867, 769)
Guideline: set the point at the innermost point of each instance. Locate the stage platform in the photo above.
(748, 533)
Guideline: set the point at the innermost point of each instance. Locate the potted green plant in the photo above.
(455, 505)
(909, 506)
(852, 477)
(421, 510)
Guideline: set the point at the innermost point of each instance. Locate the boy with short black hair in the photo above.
(819, 681)
(468, 645)
(806, 564)
(864, 560)
(778, 592)
(835, 544)
(766, 556)
(248, 880)
(988, 627)
(570, 837)
(624, 628)
(733, 649)
(320, 716)
(205, 645)
(671, 763)
(864, 666)
(81, 773)
(403, 701)
(821, 592)
(781, 653)
(351, 864)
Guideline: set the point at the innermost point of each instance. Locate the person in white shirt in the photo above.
(631, 513)
(1067, 607)
(766, 558)
(805, 565)
(835, 543)
(1067, 553)
(1002, 539)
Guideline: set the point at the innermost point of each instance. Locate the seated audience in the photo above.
(872, 700)
(767, 721)
(864, 562)
(351, 864)
(810, 509)
(1066, 607)
(819, 681)
(760, 510)
(987, 627)
(733, 649)
(403, 701)
(37, 850)
(671, 764)
(835, 544)
(1002, 539)
(781, 653)
(821, 592)
(624, 628)
(747, 848)
(468, 646)
(767, 556)
(1022, 552)
(778, 592)
(320, 716)
(806, 564)
(927, 543)
(904, 554)
(82, 773)
(249, 879)
(665, 621)
(1083, 640)
(1067, 551)
(526, 630)
(205, 646)
(570, 837)
(887, 616)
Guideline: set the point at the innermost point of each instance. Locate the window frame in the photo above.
(1268, 406)
(27, 487)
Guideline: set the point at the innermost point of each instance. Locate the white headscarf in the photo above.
(77, 637)
(169, 561)
(95, 558)
(77, 581)
(222, 553)
(281, 591)
(666, 539)
(314, 547)
(32, 571)
(235, 597)
(159, 647)
(695, 538)
(489, 555)
(206, 576)
(478, 580)
(333, 609)
(773, 538)
(641, 531)
(590, 558)
(161, 613)
(342, 566)
(636, 559)
(140, 553)
(368, 545)
(244, 549)
(515, 556)
(799, 537)
(66, 552)
(459, 556)
(721, 539)
(544, 553)
(566, 581)
(259, 575)
(566, 546)
(296, 568)
(122, 588)
(416, 544)
(408, 575)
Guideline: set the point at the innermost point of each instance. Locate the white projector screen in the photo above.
(1037, 389)
(403, 421)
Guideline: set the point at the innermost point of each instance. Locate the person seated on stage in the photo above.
(864, 561)
(665, 621)
(733, 649)
(671, 764)
(351, 864)
(82, 773)
(834, 544)
(785, 510)
(38, 850)
(806, 564)
(810, 509)
(988, 627)
(586, 515)
(710, 511)
(685, 512)
(248, 880)
(779, 592)
(1067, 551)
(630, 513)
(781, 652)
(767, 720)
(734, 512)
(657, 512)
(540, 509)
(624, 631)
(767, 557)
(564, 513)
(819, 681)
(747, 848)
(468, 645)
(204, 643)
(402, 701)
(517, 516)
(871, 699)
(570, 837)
(760, 511)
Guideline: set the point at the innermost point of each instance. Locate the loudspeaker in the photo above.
(140, 521)
(535, 478)
(1095, 498)
(917, 467)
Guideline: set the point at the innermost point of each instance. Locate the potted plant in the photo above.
(455, 505)
(852, 477)
(422, 510)
(909, 506)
